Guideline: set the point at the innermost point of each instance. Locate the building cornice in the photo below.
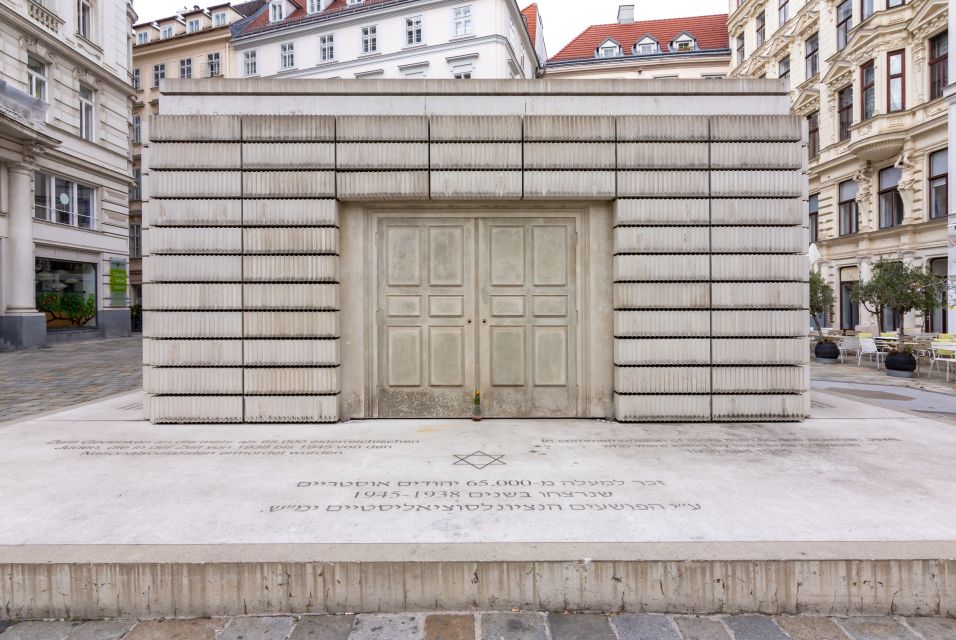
(648, 60)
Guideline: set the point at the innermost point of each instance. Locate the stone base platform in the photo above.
(105, 515)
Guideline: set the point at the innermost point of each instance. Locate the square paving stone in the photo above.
(934, 628)
(198, 629)
(256, 628)
(869, 628)
(693, 628)
(572, 626)
(645, 626)
(754, 628)
(401, 626)
(810, 628)
(513, 626)
(450, 627)
(102, 630)
(39, 631)
(323, 628)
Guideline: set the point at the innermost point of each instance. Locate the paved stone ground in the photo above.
(65, 374)
(492, 626)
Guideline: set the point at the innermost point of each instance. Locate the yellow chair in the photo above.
(945, 337)
(864, 335)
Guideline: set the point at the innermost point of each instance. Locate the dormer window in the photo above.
(314, 6)
(275, 12)
(142, 37)
(684, 42)
(609, 49)
(646, 46)
(193, 25)
(166, 32)
(352, 3)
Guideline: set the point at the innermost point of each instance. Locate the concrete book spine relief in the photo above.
(471, 274)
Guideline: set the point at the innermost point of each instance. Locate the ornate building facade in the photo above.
(869, 77)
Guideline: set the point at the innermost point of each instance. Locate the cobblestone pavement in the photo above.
(492, 626)
(35, 381)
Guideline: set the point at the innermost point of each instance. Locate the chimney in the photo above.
(625, 14)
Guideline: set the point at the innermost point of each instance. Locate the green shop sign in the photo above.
(117, 282)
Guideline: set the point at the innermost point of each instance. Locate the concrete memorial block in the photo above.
(647, 324)
(195, 184)
(291, 408)
(781, 379)
(569, 128)
(569, 155)
(290, 269)
(759, 323)
(676, 268)
(661, 211)
(175, 213)
(760, 408)
(291, 296)
(662, 408)
(186, 240)
(757, 184)
(760, 351)
(201, 409)
(760, 295)
(672, 184)
(760, 268)
(381, 155)
(770, 211)
(382, 185)
(285, 380)
(381, 128)
(661, 239)
(571, 185)
(195, 155)
(661, 351)
(662, 380)
(456, 185)
(290, 155)
(288, 184)
(192, 353)
(777, 128)
(755, 155)
(192, 381)
(298, 240)
(290, 324)
(649, 128)
(475, 155)
(289, 128)
(192, 324)
(663, 155)
(470, 128)
(759, 239)
(183, 296)
(193, 128)
(662, 295)
(276, 353)
(204, 268)
(287, 212)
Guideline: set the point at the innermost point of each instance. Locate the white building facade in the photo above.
(64, 169)
(398, 39)
(869, 77)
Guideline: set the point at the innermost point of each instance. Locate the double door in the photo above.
(468, 304)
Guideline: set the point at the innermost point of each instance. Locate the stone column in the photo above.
(950, 94)
(869, 322)
(21, 325)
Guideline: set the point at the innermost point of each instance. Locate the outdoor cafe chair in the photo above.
(942, 352)
(849, 344)
(868, 348)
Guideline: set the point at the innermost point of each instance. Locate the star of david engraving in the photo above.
(479, 459)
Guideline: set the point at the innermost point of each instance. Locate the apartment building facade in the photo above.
(869, 76)
(64, 169)
(690, 47)
(389, 39)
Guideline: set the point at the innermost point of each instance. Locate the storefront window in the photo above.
(66, 293)
(63, 201)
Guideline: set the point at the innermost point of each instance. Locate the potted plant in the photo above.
(900, 288)
(821, 300)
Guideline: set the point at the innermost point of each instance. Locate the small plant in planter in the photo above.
(821, 300)
(900, 288)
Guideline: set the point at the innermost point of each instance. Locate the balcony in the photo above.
(44, 16)
(21, 106)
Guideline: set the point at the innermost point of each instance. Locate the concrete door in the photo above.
(439, 304)
(528, 315)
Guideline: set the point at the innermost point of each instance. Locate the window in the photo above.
(813, 204)
(315, 6)
(275, 11)
(413, 31)
(713, 76)
(212, 65)
(812, 55)
(783, 68)
(86, 113)
(193, 25)
(250, 63)
(186, 68)
(287, 55)
(849, 211)
(843, 22)
(327, 47)
(937, 322)
(219, 20)
(137, 80)
(845, 112)
(135, 241)
(938, 183)
(354, 2)
(36, 77)
(461, 21)
(71, 203)
(938, 61)
(142, 37)
(849, 310)
(166, 32)
(512, 34)
(784, 11)
(159, 72)
(84, 19)
(646, 48)
(761, 27)
(684, 45)
(892, 4)
(895, 83)
(66, 284)
(740, 48)
(137, 192)
(137, 129)
(609, 50)
(868, 88)
(891, 204)
(813, 129)
(889, 319)
(866, 9)
(369, 39)
(462, 75)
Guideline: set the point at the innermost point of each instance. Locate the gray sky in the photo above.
(563, 19)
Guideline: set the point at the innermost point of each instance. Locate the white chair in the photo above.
(868, 348)
(942, 352)
(849, 344)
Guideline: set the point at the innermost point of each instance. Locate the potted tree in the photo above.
(821, 300)
(900, 288)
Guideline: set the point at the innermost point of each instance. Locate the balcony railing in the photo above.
(44, 16)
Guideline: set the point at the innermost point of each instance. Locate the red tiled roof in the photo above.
(262, 20)
(530, 14)
(709, 31)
